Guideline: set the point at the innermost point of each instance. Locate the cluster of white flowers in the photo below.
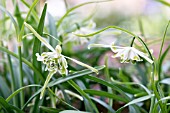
(54, 61)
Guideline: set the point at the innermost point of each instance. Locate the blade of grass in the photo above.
(105, 94)
(37, 49)
(103, 104)
(76, 87)
(49, 110)
(13, 86)
(37, 43)
(21, 75)
(35, 16)
(135, 101)
(160, 53)
(113, 86)
(107, 74)
(12, 19)
(19, 50)
(72, 76)
(19, 90)
(28, 14)
(24, 60)
(5, 105)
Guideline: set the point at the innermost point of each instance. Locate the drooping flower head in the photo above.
(126, 54)
(129, 54)
(54, 61)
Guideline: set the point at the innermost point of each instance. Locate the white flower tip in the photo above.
(151, 61)
(58, 49)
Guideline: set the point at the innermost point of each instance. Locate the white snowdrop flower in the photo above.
(126, 54)
(54, 61)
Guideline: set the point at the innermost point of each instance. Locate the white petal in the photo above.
(58, 49)
(143, 55)
(39, 58)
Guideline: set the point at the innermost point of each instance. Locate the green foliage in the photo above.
(47, 73)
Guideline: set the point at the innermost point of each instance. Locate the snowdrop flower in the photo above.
(126, 54)
(54, 61)
(82, 30)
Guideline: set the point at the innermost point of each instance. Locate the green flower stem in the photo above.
(132, 42)
(46, 83)
(21, 75)
(12, 79)
(24, 60)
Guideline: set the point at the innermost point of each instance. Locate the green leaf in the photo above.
(105, 94)
(49, 110)
(32, 97)
(24, 60)
(165, 81)
(12, 19)
(19, 90)
(18, 16)
(103, 104)
(37, 43)
(28, 14)
(35, 15)
(132, 83)
(136, 101)
(162, 58)
(4, 88)
(103, 82)
(72, 111)
(5, 105)
(73, 76)
(160, 53)
(8, 107)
